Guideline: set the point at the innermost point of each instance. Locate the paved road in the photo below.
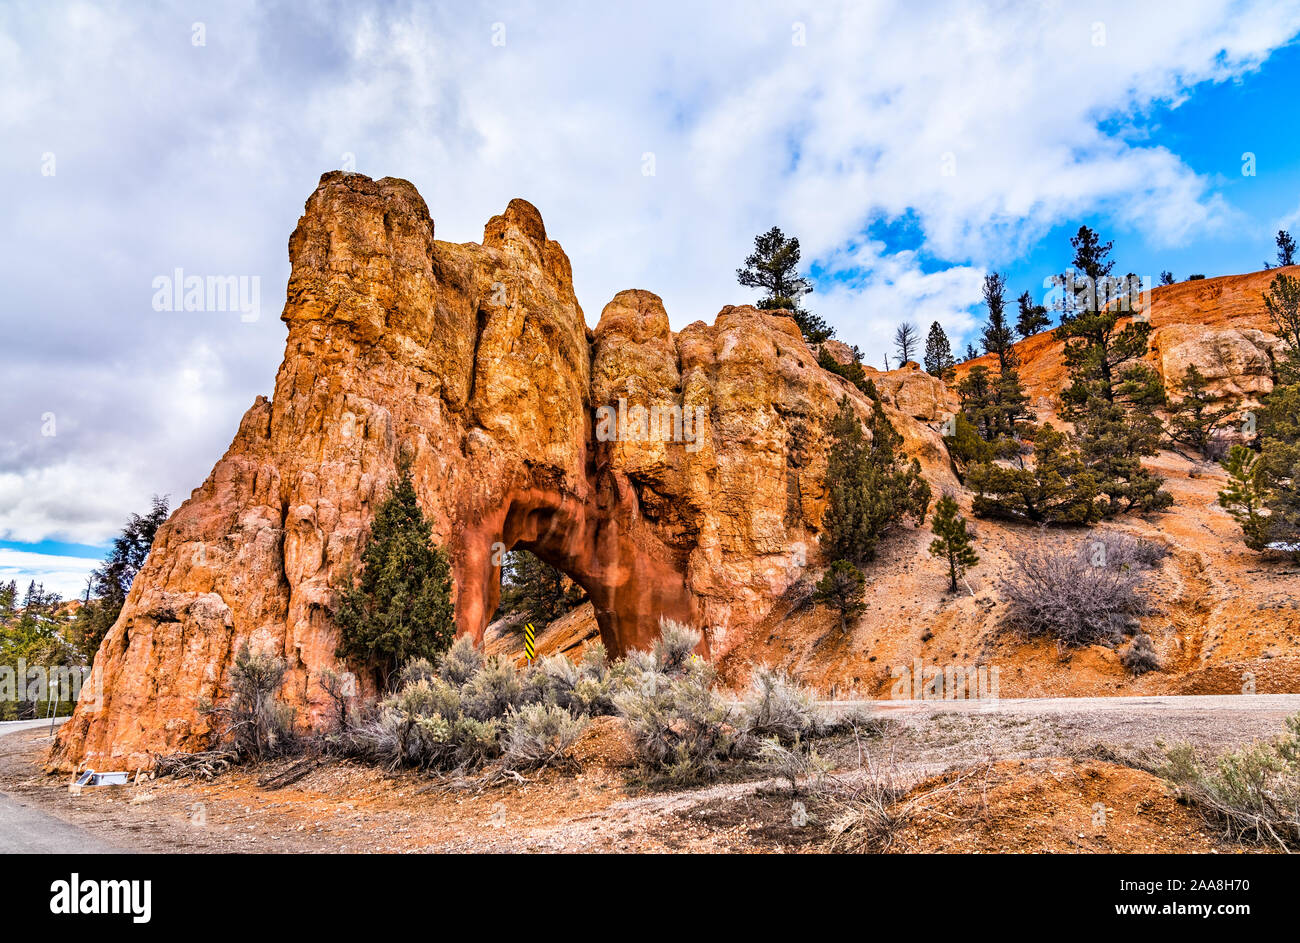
(1043, 706)
(25, 829)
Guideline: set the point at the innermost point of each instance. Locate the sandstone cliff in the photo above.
(669, 474)
(1218, 325)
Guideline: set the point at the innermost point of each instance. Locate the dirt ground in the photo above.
(1014, 784)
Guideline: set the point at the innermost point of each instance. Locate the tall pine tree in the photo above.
(871, 487)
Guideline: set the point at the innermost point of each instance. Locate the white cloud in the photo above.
(63, 575)
(171, 155)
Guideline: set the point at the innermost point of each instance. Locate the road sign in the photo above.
(530, 638)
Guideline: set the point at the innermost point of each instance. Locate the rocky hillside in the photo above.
(676, 474)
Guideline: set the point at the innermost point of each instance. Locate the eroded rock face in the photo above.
(1237, 362)
(670, 474)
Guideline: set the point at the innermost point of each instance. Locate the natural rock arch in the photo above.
(474, 362)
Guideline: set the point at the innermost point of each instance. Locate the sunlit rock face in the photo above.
(674, 475)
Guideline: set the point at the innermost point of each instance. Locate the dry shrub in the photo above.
(1252, 794)
(538, 735)
(1084, 594)
(777, 706)
(255, 724)
(1140, 656)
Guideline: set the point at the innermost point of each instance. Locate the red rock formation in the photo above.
(1219, 325)
(669, 474)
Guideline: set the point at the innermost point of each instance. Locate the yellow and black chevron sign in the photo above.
(530, 637)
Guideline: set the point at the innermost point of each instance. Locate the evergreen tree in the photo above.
(1264, 493)
(971, 353)
(1112, 395)
(1194, 418)
(110, 583)
(840, 588)
(400, 608)
(871, 487)
(1243, 498)
(31, 631)
(905, 342)
(1282, 302)
(1033, 318)
(952, 541)
(998, 336)
(966, 446)
(1166, 278)
(1091, 255)
(1056, 489)
(774, 267)
(1279, 428)
(536, 589)
(939, 361)
(996, 405)
(851, 371)
(1285, 248)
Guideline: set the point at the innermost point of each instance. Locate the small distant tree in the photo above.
(971, 352)
(1167, 278)
(1194, 418)
(1285, 248)
(1033, 317)
(939, 361)
(400, 608)
(952, 541)
(773, 266)
(840, 588)
(1243, 498)
(906, 341)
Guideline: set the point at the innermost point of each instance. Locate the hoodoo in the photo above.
(474, 363)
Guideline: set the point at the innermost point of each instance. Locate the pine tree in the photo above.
(840, 588)
(536, 589)
(110, 583)
(1091, 256)
(1113, 395)
(996, 405)
(774, 267)
(1285, 248)
(1279, 436)
(1243, 498)
(1033, 318)
(997, 336)
(1194, 419)
(939, 361)
(1166, 278)
(400, 608)
(952, 541)
(871, 488)
(1056, 489)
(1282, 302)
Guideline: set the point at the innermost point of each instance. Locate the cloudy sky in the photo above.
(910, 146)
